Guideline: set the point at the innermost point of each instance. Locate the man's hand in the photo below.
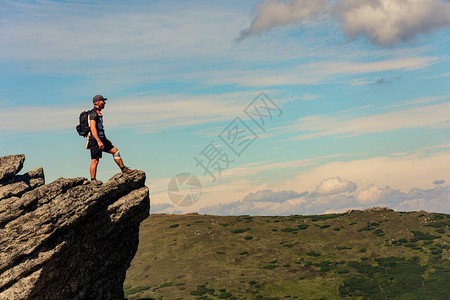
(100, 145)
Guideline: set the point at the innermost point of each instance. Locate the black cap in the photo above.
(98, 98)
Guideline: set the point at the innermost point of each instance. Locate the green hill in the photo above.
(371, 254)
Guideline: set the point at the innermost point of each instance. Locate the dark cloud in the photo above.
(387, 81)
(439, 181)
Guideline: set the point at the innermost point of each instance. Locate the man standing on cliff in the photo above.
(97, 140)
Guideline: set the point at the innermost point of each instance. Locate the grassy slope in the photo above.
(365, 254)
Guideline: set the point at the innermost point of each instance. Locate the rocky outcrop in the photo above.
(370, 210)
(10, 165)
(70, 239)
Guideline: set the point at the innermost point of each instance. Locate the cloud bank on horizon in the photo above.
(383, 22)
(336, 193)
(332, 195)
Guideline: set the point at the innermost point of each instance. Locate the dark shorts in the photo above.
(96, 153)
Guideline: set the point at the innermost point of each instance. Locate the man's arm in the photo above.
(94, 133)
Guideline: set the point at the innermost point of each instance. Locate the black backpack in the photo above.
(83, 128)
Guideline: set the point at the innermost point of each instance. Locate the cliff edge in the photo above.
(70, 239)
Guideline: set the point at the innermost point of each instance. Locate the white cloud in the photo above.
(37, 118)
(402, 172)
(143, 114)
(110, 31)
(335, 185)
(387, 22)
(309, 97)
(374, 194)
(136, 45)
(271, 196)
(410, 179)
(420, 100)
(430, 116)
(237, 183)
(274, 13)
(342, 210)
(161, 208)
(259, 167)
(383, 22)
(255, 208)
(314, 73)
(436, 199)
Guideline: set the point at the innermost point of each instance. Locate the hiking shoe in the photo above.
(96, 182)
(125, 170)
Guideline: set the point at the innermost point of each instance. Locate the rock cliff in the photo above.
(70, 239)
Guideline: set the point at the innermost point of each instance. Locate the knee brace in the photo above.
(116, 155)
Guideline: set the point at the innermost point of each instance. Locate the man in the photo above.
(98, 141)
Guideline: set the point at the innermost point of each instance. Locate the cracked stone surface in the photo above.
(70, 239)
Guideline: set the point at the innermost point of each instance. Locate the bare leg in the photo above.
(93, 168)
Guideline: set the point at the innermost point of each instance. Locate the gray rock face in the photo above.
(18, 185)
(10, 165)
(70, 239)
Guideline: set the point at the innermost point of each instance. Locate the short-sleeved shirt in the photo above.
(98, 117)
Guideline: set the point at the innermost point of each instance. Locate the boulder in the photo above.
(10, 165)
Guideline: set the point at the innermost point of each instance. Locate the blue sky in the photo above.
(362, 89)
